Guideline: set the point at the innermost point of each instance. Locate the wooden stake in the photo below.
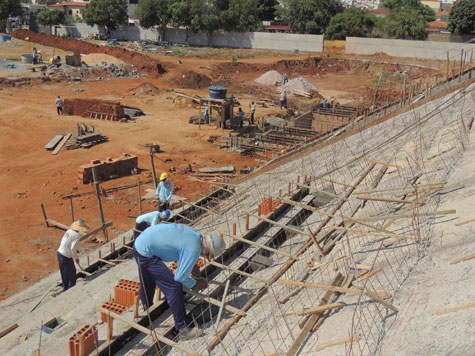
(318, 309)
(8, 330)
(391, 200)
(343, 340)
(464, 222)
(136, 306)
(466, 258)
(405, 216)
(72, 210)
(140, 195)
(44, 214)
(223, 299)
(154, 175)
(99, 202)
(247, 222)
(456, 308)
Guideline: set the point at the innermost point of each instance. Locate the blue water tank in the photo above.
(217, 92)
(5, 38)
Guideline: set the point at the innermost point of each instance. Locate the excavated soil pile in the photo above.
(193, 80)
(143, 63)
(146, 89)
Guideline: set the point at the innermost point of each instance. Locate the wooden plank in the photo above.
(369, 232)
(456, 308)
(8, 330)
(367, 275)
(57, 224)
(464, 222)
(105, 261)
(148, 332)
(318, 309)
(214, 301)
(465, 258)
(96, 230)
(391, 200)
(405, 189)
(248, 275)
(285, 227)
(54, 141)
(405, 216)
(370, 294)
(335, 342)
(381, 163)
(61, 144)
(217, 169)
(313, 319)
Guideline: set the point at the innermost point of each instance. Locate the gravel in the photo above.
(269, 78)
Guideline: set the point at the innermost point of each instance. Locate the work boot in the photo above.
(189, 334)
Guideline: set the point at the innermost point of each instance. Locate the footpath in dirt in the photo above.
(143, 63)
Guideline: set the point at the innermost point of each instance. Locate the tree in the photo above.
(405, 5)
(109, 14)
(51, 17)
(187, 13)
(406, 24)
(9, 8)
(462, 17)
(238, 15)
(310, 16)
(267, 10)
(351, 22)
(154, 13)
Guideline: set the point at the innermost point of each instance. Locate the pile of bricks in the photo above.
(91, 341)
(267, 206)
(94, 109)
(108, 169)
(114, 307)
(125, 292)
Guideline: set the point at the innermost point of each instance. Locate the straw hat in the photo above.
(80, 226)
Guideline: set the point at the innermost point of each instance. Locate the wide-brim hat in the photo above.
(80, 225)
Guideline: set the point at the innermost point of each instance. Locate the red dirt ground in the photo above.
(32, 176)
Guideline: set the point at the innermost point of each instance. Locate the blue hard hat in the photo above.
(167, 213)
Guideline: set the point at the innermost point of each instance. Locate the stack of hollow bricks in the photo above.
(121, 166)
(267, 206)
(125, 293)
(90, 341)
(97, 109)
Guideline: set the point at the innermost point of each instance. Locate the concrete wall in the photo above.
(262, 40)
(449, 37)
(406, 48)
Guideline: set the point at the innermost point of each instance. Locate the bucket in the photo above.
(5, 38)
(27, 58)
(217, 92)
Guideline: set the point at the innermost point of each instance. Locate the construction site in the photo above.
(346, 210)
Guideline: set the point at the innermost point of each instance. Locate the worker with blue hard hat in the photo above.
(173, 242)
(144, 221)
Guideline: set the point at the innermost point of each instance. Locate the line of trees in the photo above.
(406, 19)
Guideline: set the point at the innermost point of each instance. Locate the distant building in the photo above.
(437, 26)
(433, 4)
(72, 9)
(383, 13)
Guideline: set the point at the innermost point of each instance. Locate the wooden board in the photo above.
(8, 330)
(61, 144)
(54, 141)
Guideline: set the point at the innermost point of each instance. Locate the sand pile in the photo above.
(269, 78)
(298, 84)
(146, 89)
(98, 58)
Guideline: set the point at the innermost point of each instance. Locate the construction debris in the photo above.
(86, 137)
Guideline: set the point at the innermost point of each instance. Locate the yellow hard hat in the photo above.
(282, 151)
(163, 176)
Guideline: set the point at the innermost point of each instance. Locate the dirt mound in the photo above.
(146, 89)
(239, 67)
(193, 80)
(143, 63)
(99, 58)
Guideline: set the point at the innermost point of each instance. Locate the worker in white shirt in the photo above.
(149, 219)
(67, 253)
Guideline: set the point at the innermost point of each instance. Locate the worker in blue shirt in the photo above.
(164, 192)
(173, 242)
(149, 219)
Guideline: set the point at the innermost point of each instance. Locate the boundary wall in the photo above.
(406, 48)
(261, 40)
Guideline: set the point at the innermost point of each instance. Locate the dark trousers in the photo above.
(59, 109)
(152, 272)
(252, 118)
(163, 205)
(283, 104)
(140, 227)
(68, 271)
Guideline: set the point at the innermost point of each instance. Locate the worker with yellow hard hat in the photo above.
(164, 192)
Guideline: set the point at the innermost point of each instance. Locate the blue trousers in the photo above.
(68, 271)
(141, 227)
(152, 272)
